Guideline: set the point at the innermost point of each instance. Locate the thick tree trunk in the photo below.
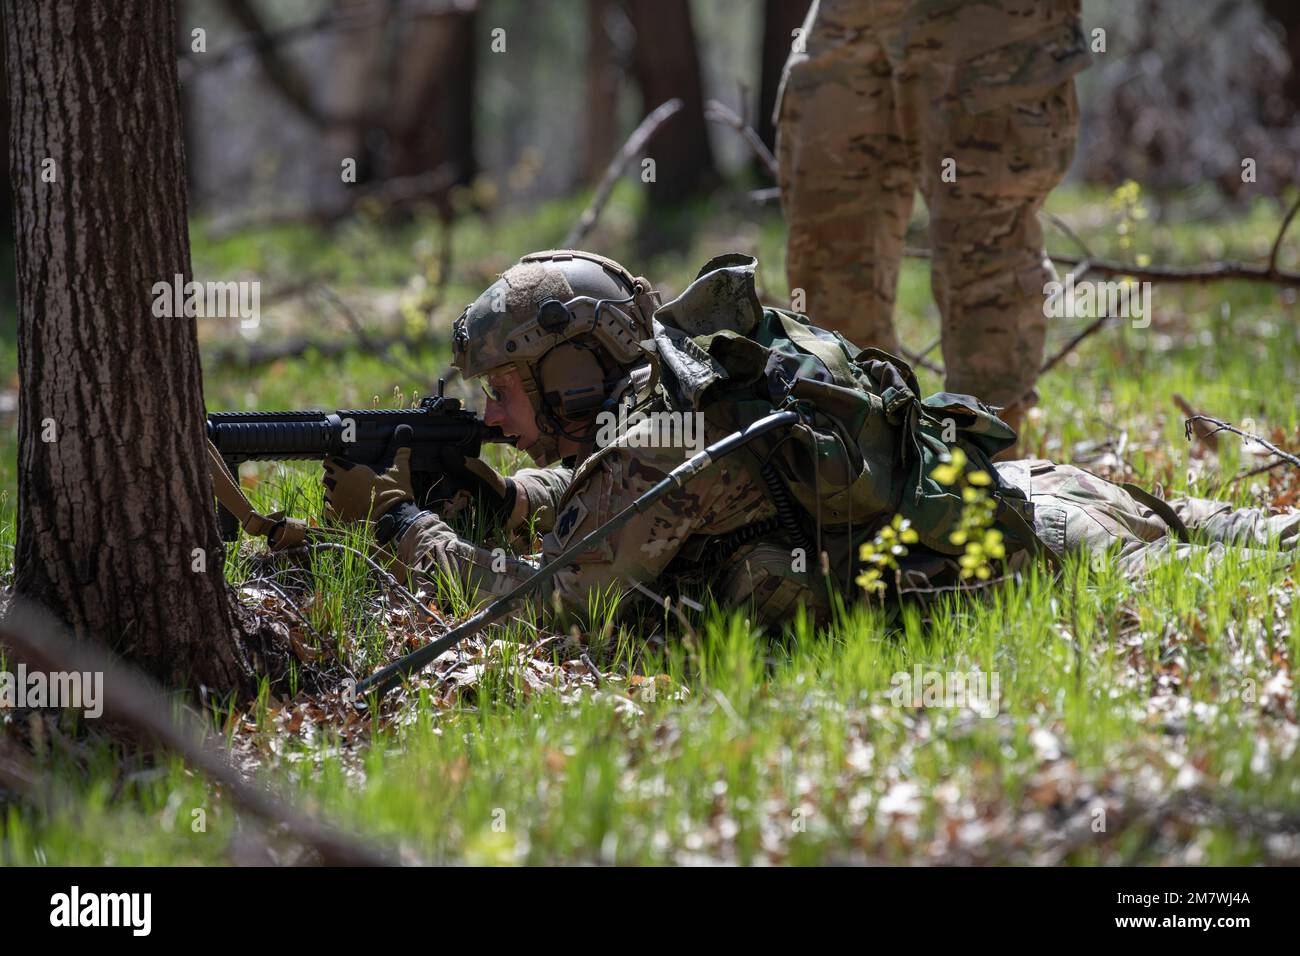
(6, 193)
(780, 19)
(667, 64)
(114, 500)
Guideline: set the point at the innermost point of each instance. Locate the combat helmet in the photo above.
(571, 324)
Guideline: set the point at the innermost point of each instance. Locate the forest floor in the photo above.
(1152, 723)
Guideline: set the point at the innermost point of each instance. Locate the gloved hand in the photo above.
(356, 492)
(497, 492)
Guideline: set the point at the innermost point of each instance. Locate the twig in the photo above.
(592, 669)
(133, 701)
(1203, 432)
(718, 112)
(331, 643)
(383, 575)
(1208, 272)
(1070, 346)
(246, 357)
(1277, 243)
(1190, 424)
(918, 358)
(370, 344)
(931, 347)
(1257, 471)
(634, 145)
(1066, 228)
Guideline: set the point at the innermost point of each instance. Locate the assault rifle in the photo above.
(440, 433)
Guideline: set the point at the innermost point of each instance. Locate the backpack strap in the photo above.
(1161, 508)
(830, 353)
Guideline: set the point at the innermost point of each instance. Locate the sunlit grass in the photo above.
(752, 747)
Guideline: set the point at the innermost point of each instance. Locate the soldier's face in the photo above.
(509, 408)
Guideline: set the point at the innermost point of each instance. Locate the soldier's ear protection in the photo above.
(571, 378)
(572, 381)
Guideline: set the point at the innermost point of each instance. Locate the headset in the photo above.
(582, 384)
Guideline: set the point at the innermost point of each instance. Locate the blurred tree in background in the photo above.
(519, 102)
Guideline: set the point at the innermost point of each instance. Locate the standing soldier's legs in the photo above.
(985, 177)
(845, 175)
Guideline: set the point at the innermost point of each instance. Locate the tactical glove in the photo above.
(497, 493)
(356, 493)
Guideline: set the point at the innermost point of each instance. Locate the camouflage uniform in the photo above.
(724, 499)
(542, 488)
(674, 541)
(1075, 510)
(886, 91)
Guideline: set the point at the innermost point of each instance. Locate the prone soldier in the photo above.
(564, 336)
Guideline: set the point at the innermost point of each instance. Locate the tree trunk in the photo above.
(6, 192)
(116, 531)
(667, 65)
(780, 19)
(602, 76)
(1287, 15)
(431, 119)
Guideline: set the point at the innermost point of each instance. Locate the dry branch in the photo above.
(136, 703)
(634, 145)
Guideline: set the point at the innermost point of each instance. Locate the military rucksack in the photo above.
(870, 443)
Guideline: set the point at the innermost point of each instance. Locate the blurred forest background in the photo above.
(434, 113)
(480, 131)
(1184, 90)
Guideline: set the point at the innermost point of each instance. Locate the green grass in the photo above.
(1139, 724)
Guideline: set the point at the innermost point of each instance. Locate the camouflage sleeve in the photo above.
(543, 487)
(638, 551)
(431, 547)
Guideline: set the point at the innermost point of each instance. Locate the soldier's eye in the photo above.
(491, 391)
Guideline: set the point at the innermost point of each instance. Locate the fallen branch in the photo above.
(375, 348)
(135, 702)
(1190, 424)
(386, 195)
(1206, 272)
(633, 147)
(918, 358)
(1277, 243)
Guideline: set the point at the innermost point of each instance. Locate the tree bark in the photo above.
(114, 500)
(667, 64)
(431, 119)
(602, 76)
(780, 19)
(6, 193)
(1287, 15)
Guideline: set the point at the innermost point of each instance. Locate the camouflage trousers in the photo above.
(1075, 511)
(972, 102)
